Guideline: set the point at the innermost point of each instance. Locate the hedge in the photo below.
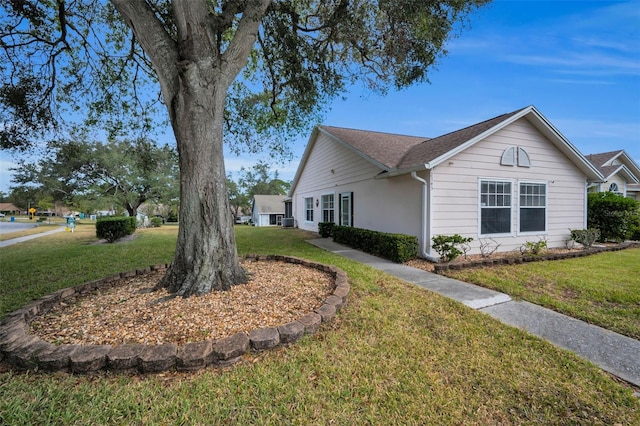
(114, 228)
(395, 247)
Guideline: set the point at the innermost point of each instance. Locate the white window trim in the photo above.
(504, 234)
(516, 201)
(322, 206)
(306, 209)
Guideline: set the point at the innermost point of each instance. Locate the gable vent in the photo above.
(509, 157)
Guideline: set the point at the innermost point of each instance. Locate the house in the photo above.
(267, 210)
(504, 182)
(9, 208)
(621, 174)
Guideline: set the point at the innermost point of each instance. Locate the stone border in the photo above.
(26, 351)
(440, 268)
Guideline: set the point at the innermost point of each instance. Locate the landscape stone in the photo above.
(58, 359)
(327, 312)
(335, 301)
(89, 358)
(195, 355)
(155, 358)
(125, 357)
(231, 347)
(264, 338)
(311, 322)
(26, 356)
(291, 331)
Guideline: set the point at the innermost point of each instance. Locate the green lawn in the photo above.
(397, 354)
(602, 289)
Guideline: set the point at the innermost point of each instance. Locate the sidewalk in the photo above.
(614, 353)
(30, 237)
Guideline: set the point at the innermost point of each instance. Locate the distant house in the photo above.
(508, 180)
(621, 174)
(267, 210)
(9, 208)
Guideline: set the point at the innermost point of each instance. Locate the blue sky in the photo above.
(578, 62)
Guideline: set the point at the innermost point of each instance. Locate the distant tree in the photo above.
(129, 173)
(252, 67)
(258, 181)
(237, 199)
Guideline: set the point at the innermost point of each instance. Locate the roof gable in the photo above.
(604, 162)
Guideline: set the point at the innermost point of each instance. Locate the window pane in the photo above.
(532, 219)
(495, 221)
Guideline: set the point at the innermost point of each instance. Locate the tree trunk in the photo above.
(206, 258)
(194, 76)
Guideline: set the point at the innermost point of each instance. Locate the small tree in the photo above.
(613, 214)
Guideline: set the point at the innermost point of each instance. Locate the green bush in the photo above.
(586, 237)
(324, 229)
(395, 247)
(534, 248)
(613, 214)
(156, 222)
(447, 246)
(114, 228)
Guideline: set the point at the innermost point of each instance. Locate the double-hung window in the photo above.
(308, 208)
(328, 212)
(533, 207)
(495, 207)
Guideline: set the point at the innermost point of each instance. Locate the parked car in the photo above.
(243, 220)
(1, 214)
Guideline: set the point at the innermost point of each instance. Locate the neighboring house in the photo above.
(267, 210)
(508, 180)
(9, 208)
(621, 174)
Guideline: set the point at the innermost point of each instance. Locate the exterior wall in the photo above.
(455, 188)
(387, 205)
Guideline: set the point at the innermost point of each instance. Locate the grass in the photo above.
(397, 354)
(602, 289)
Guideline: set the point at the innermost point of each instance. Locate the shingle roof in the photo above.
(395, 152)
(384, 148)
(599, 161)
(436, 147)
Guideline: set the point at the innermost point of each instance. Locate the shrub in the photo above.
(448, 246)
(586, 237)
(534, 248)
(324, 228)
(395, 247)
(156, 222)
(114, 228)
(613, 214)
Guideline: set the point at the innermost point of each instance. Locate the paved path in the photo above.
(614, 353)
(30, 237)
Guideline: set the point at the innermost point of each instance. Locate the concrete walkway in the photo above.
(30, 237)
(614, 353)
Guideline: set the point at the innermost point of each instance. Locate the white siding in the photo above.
(454, 184)
(387, 205)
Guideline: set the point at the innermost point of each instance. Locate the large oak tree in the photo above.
(237, 67)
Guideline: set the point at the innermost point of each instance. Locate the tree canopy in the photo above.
(127, 173)
(248, 72)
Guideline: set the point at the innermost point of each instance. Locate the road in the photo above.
(7, 227)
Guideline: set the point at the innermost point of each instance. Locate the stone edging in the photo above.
(26, 351)
(440, 268)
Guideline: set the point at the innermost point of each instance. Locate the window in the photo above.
(614, 188)
(308, 207)
(495, 207)
(328, 213)
(346, 209)
(533, 207)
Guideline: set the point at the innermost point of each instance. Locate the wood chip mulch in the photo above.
(277, 293)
